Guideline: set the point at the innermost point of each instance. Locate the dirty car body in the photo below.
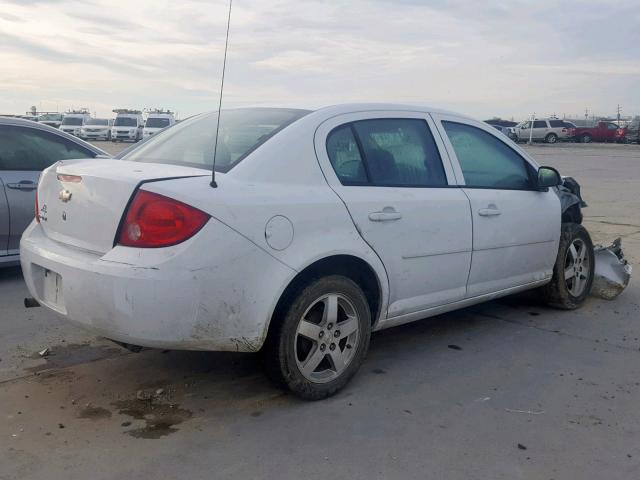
(425, 211)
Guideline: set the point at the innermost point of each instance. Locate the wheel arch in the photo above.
(351, 266)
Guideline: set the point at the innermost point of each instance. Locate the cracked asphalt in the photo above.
(504, 390)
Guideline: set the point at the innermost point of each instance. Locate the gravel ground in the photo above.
(504, 390)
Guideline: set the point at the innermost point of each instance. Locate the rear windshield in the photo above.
(97, 121)
(72, 121)
(126, 122)
(157, 122)
(191, 143)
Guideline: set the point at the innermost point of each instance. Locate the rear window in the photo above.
(191, 143)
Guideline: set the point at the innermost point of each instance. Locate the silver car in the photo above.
(548, 130)
(27, 148)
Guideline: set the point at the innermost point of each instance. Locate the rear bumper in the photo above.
(182, 297)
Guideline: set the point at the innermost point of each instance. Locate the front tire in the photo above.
(321, 338)
(573, 271)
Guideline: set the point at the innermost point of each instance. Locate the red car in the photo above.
(602, 132)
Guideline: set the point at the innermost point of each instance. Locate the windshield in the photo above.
(97, 121)
(157, 122)
(72, 121)
(50, 116)
(126, 122)
(191, 143)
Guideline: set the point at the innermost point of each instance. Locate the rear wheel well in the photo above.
(349, 266)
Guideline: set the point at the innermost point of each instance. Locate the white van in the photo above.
(128, 125)
(156, 121)
(97, 129)
(73, 121)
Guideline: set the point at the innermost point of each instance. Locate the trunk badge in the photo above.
(64, 195)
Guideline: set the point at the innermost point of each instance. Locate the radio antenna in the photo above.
(224, 66)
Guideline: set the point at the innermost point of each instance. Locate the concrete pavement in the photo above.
(508, 389)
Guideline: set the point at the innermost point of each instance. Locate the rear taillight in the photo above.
(37, 207)
(153, 221)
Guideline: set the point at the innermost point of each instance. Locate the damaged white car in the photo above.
(320, 227)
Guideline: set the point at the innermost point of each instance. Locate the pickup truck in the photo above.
(602, 132)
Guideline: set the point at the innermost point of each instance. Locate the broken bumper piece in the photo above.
(612, 271)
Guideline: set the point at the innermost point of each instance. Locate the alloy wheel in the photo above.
(327, 338)
(577, 267)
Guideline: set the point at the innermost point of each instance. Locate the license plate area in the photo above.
(50, 288)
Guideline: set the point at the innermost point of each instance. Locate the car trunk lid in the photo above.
(81, 202)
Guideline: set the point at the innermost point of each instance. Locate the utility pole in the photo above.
(531, 128)
(618, 114)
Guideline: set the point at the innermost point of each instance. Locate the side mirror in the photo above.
(548, 177)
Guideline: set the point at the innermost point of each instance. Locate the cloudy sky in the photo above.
(484, 58)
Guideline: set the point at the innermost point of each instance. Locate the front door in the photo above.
(388, 170)
(516, 228)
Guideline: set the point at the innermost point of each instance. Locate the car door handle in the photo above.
(490, 211)
(25, 185)
(388, 214)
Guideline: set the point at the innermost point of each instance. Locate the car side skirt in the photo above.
(467, 302)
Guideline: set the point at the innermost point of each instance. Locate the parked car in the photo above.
(548, 130)
(27, 148)
(602, 132)
(509, 132)
(318, 228)
(632, 132)
(73, 122)
(156, 121)
(96, 129)
(52, 119)
(128, 125)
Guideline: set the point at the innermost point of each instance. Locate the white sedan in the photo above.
(321, 227)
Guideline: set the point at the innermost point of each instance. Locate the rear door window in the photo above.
(390, 152)
(540, 124)
(556, 123)
(31, 149)
(486, 161)
(345, 157)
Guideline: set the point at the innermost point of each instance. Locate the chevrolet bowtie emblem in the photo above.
(64, 195)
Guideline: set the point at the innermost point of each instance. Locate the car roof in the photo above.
(360, 107)
(19, 122)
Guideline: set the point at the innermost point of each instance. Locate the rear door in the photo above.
(516, 228)
(540, 129)
(387, 168)
(558, 127)
(24, 153)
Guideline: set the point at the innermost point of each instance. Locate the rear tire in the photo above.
(321, 338)
(573, 271)
(586, 138)
(551, 138)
